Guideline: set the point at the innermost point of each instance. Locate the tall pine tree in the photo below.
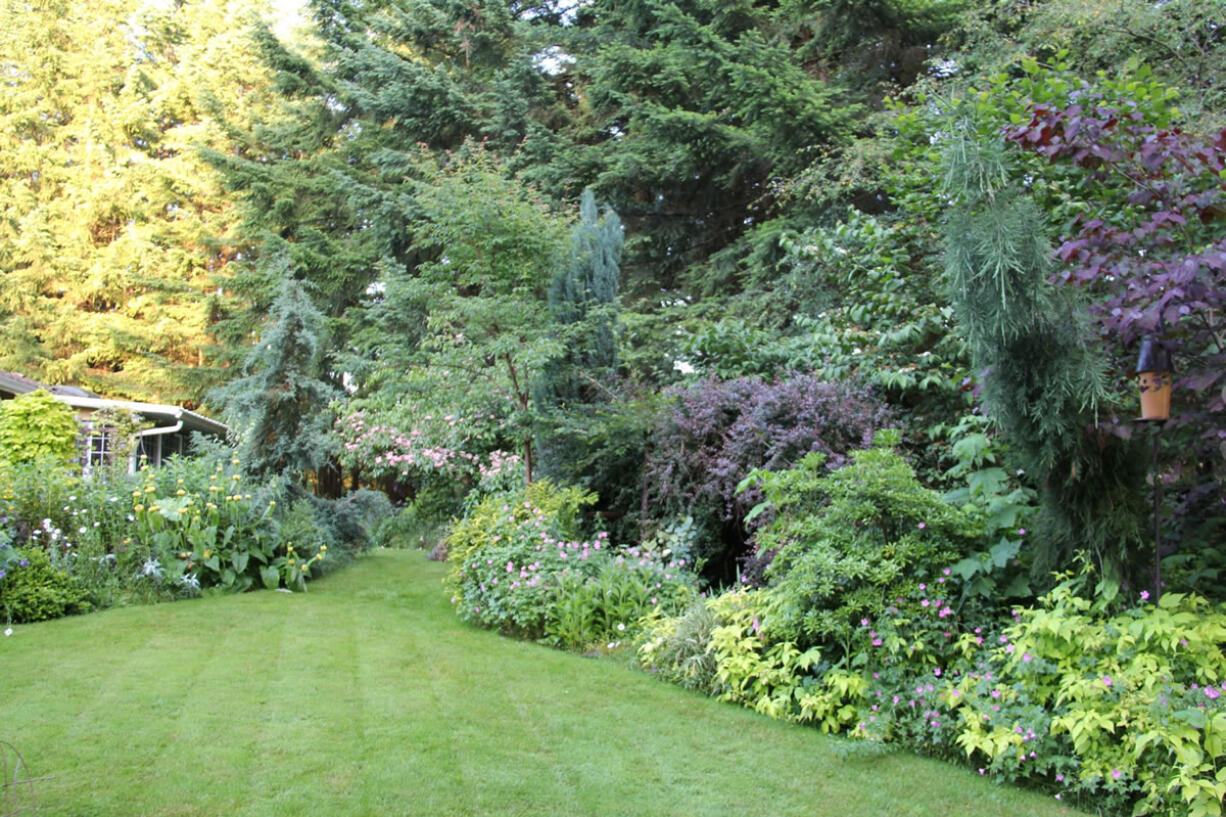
(114, 233)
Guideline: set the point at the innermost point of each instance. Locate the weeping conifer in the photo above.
(1044, 381)
(280, 406)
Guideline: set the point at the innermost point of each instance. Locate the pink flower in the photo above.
(1116, 774)
(1144, 595)
(1107, 680)
(921, 526)
(1027, 657)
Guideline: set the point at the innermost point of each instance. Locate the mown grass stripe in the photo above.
(366, 696)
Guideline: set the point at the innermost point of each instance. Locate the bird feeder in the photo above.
(1154, 379)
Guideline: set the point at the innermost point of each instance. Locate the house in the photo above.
(163, 429)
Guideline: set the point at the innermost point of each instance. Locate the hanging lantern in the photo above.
(1154, 379)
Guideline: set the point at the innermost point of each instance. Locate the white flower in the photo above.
(190, 580)
(8, 631)
(151, 567)
(621, 628)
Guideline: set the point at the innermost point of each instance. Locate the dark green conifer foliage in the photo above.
(1044, 384)
(280, 406)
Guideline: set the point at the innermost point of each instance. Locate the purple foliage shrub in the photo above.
(717, 431)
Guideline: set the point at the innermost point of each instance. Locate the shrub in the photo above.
(36, 590)
(718, 431)
(498, 516)
(848, 542)
(611, 603)
(519, 568)
(350, 521)
(36, 426)
(409, 528)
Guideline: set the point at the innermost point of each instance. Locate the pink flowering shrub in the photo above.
(446, 452)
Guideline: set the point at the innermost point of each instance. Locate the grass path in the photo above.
(367, 697)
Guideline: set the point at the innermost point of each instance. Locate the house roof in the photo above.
(190, 419)
(15, 384)
(84, 399)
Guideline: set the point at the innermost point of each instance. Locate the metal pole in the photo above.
(1157, 525)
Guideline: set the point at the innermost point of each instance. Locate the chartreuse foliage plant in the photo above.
(1123, 711)
(36, 426)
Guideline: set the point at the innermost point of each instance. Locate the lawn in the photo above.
(366, 696)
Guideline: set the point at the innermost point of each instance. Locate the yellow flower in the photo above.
(235, 477)
(247, 496)
(272, 503)
(180, 492)
(135, 494)
(210, 506)
(305, 568)
(207, 554)
(149, 489)
(139, 508)
(323, 547)
(290, 561)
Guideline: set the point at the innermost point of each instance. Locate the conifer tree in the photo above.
(280, 407)
(114, 233)
(583, 314)
(1043, 380)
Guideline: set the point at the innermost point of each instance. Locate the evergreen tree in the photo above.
(279, 406)
(583, 305)
(1044, 381)
(583, 315)
(113, 231)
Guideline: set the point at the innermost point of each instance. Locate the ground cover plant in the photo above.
(368, 696)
